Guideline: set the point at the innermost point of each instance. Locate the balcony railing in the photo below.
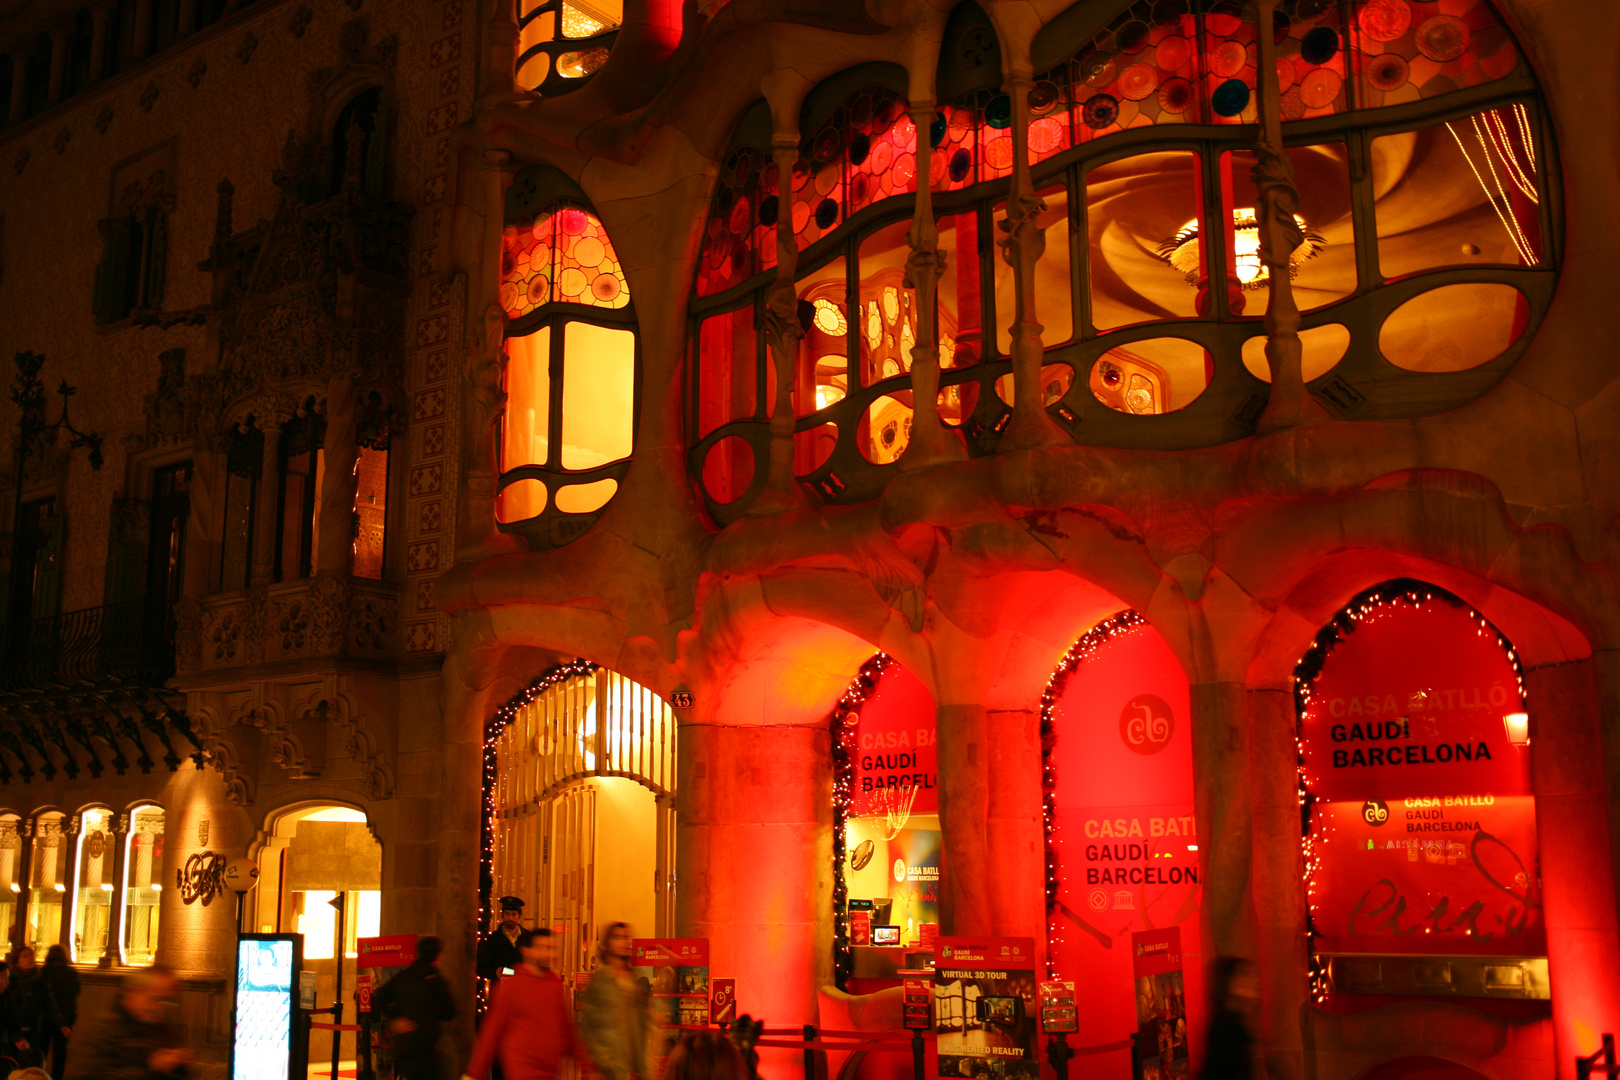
(129, 643)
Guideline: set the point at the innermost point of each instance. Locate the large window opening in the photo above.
(143, 885)
(47, 881)
(93, 897)
(582, 821)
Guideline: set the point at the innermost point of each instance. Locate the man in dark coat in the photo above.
(138, 1039)
(498, 953)
(415, 1003)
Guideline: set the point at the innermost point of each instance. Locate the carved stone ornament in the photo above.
(202, 832)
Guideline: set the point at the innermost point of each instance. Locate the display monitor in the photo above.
(860, 905)
(266, 1042)
(1000, 1010)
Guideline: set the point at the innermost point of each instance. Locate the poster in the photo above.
(723, 1002)
(984, 1007)
(674, 973)
(379, 959)
(1059, 1014)
(1423, 824)
(1123, 828)
(892, 840)
(1161, 1006)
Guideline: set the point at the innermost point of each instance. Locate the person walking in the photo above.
(1229, 1049)
(36, 1012)
(498, 952)
(13, 1048)
(613, 1021)
(138, 1038)
(62, 984)
(415, 1003)
(528, 1030)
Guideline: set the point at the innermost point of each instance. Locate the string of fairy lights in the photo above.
(1363, 610)
(494, 729)
(842, 725)
(1110, 629)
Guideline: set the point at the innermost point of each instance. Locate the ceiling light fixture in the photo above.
(1182, 250)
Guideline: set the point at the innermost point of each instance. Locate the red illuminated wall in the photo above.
(1423, 826)
(1122, 825)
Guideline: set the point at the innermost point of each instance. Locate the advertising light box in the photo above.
(1416, 755)
(265, 1041)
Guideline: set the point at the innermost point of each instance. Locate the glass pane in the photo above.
(1454, 327)
(1322, 346)
(961, 303)
(528, 399)
(584, 498)
(823, 369)
(1054, 308)
(10, 864)
(888, 312)
(92, 907)
(1462, 193)
(370, 512)
(143, 885)
(728, 365)
(599, 388)
(1409, 49)
(885, 428)
(46, 885)
(520, 500)
(1324, 267)
(1148, 377)
(728, 469)
(316, 919)
(1136, 209)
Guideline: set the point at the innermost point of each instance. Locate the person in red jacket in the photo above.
(528, 1029)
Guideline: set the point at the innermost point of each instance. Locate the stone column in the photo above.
(1573, 833)
(119, 829)
(98, 41)
(60, 36)
(964, 819)
(1221, 797)
(19, 79)
(754, 848)
(1278, 881)
(340, 452)
(930, 442)
(143, 29)
(1016, 833)
(268, 497)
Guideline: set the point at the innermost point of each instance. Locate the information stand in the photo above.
(380, 959)
(1161, 1006)
(267, 1036)
(676, 971)
(984, 1008)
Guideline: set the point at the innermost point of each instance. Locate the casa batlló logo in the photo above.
(1146, 724)
(1375, 812)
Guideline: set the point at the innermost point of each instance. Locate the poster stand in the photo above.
(268, 1034)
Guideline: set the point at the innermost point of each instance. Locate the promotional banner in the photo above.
(1416, 751)
(265, 1036)
(1123, 828)
(984, 1007)
(1059, 1015)
(675, 975)
(1161, 1006)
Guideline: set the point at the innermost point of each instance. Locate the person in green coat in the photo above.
(613, 1018)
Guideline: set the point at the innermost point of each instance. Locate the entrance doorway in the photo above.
(320, 871)
(583, 822)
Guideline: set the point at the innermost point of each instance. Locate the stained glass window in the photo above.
(860, 154)
(1408, 50)
(563, 256)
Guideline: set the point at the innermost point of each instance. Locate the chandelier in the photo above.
(1181, 250)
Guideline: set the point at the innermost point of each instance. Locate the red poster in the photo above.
(895, 747)
(1124, 833)
(1161, 1006)
(984, 1007)
(722, 1001)
(1424, 826)
(362, 991)
(394, 950)
(677, 969)
(1059, 1014)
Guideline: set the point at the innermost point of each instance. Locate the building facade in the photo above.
(1051, 470)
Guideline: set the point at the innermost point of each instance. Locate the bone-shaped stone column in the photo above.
(930, 442)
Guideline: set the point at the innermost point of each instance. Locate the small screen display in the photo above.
(1000, 1010)
(885, 935)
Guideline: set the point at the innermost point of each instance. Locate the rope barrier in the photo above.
(333, 1027)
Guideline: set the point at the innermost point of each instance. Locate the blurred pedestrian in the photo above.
(138, 1038)
(13, 1047)
(1229, 1051)
(613, 1021)
(705, 1055)
(36, 1011)
(62, 982)
(528, 1029)
(31, 1073)
(415, 1003)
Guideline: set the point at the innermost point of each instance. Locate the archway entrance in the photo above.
(320, 871)
(580, 784)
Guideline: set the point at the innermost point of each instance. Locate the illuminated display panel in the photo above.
(891, 836)
(262, 1042)
(1415, 758)
(1120, 806)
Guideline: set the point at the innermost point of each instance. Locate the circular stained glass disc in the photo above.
(1385, 20)
(1320, 45)
(1292, 107)
(859, 147)
(826, 213)
(801, 216)
(606, 288)
(509, 297)
(1043, 98)
(768, 209)
(961, 162)
(882, 157)
(572, 222)
(1100, 111)
(860, 186)
(998, 114)
(1138, 81)
(826, 145)
(589, 252)
(1285, 74)
(998, 152)
(536, 292)
(1097, 69)
(1045, 135)
(571, 283)
(1132, 37)
(1176, 96)
(1388, 72)
(1228, 58)
(1230, 98)
(1319, 89)
(936, 131)
(1443, 38)
(1172, 53)
(739, 216)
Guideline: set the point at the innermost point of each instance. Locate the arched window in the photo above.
(366, 117)
(1415, 137)
(571, 373)
(562, 43)
(47, 881)
(143, 885)
(93, 892)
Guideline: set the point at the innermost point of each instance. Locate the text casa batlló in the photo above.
(1125, 828)
(1399, 729)
(894, 764)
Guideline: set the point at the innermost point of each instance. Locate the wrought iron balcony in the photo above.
(129, 644)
